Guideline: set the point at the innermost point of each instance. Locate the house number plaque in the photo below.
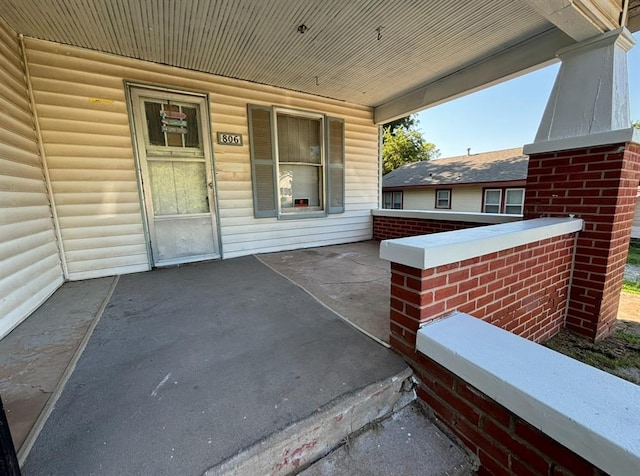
(227, 138)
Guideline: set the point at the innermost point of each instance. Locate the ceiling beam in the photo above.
(515, 61)
(580, 19)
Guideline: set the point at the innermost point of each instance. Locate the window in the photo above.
(297, 163)
(392, 200)
(513, 203)
(443, 198)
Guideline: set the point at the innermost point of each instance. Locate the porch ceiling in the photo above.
(368, 52)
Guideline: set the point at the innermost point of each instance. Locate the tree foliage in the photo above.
(403, 144)
(407, 123)
(636, 124)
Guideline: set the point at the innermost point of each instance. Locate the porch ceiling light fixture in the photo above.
(302, 28)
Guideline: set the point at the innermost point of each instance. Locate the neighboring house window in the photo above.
(513, 203)
(297, 163)
(492, 200)
(392, 200)
(443, 198)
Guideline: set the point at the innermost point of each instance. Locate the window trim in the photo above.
(502, 206)
(521, 204)
(325, 186)
(286, 215)
(484, 199)
(449, 193)
(392, 194)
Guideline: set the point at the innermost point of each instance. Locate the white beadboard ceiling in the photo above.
(361, 51)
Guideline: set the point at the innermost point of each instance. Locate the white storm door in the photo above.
(172, 136)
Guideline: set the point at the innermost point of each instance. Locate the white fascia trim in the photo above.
(603, 138)
(530, 55)
(591, 412)
(429, 251)
(469, 217)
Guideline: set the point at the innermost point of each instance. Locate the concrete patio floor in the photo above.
(175, 349)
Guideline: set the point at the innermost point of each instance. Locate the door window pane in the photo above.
(178, 187)
(172, 125)
(154, 124)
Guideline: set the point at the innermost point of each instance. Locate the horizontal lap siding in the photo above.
(89, 149)
(29, 264)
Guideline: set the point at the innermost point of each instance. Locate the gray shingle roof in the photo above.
(497, 166)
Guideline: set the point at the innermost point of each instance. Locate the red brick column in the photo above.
(598, 185)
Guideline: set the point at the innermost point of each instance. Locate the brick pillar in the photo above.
(411, 305)
(599, 185)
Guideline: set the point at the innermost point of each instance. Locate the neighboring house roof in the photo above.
(507, 165)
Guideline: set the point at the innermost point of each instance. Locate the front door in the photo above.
(172, 137)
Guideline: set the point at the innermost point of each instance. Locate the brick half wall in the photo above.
(504, 443)
(523, 290)
(386, 228)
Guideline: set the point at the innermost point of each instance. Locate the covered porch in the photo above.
(180, 369)
(134, 137)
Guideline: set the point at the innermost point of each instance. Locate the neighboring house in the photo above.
(491, 182)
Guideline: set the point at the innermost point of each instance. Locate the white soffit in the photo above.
(339, 55)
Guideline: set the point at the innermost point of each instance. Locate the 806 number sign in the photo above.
(227, 138)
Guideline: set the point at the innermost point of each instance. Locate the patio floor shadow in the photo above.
(350, 279)
(189, 365)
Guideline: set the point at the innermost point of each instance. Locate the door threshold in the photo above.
(180, 261)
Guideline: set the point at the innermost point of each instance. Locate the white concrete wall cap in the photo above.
(620, 136)
(470, 217)
(428, 251)
(593, 413)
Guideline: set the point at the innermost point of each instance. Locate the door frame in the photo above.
(207, 143)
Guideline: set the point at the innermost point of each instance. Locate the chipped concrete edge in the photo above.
(304, 442)
(53, 399)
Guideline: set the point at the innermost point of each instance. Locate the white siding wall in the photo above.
(419, 199)
(90, 154)
(463, 199)
(466, 199)
(30, 269)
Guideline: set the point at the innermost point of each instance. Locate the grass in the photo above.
(618, 354)
(633, 258)
(632, 287)
(615, 355)
(634, 253)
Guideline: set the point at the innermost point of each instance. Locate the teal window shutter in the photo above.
(335, 165)
(262, 161)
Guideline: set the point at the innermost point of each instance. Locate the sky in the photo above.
(506, 115)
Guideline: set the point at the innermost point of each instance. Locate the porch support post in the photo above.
(585, 162)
